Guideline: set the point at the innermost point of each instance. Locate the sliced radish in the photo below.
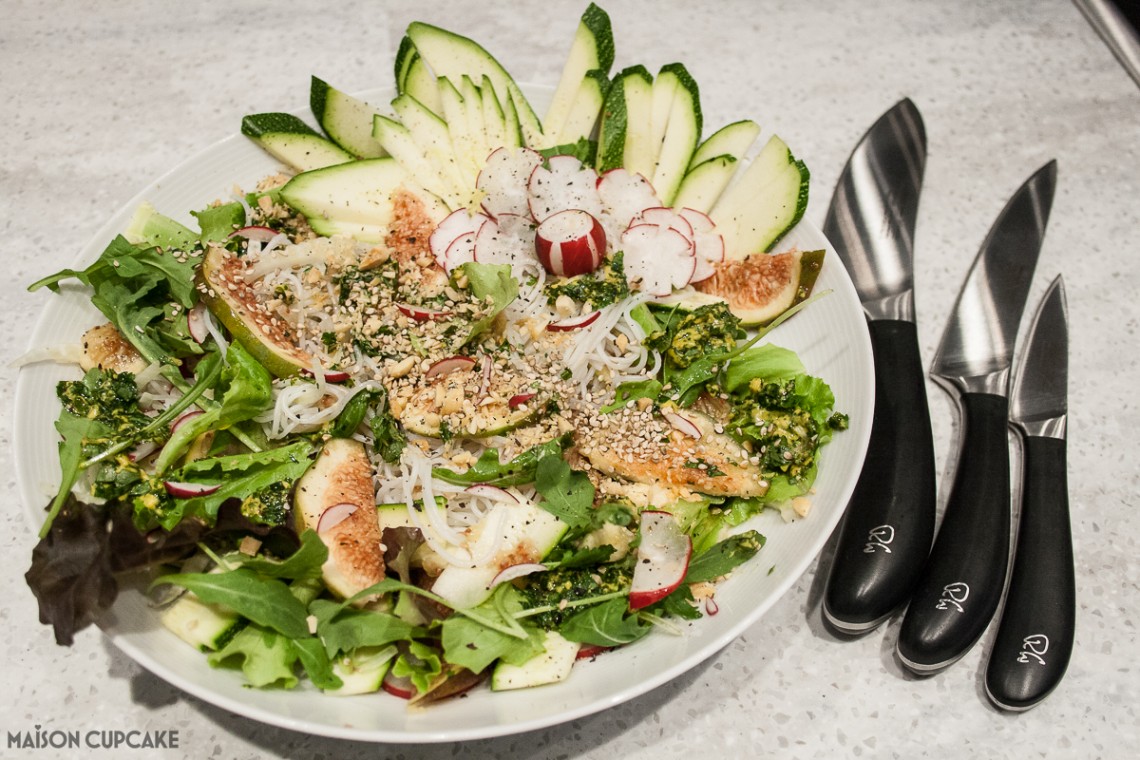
(590, 650)
(514, 402)
(516, 571)
(255, 232)
(657, 260)
(454, 226)
(708, 244)
(330, 375)
(398, 686)
(196, 322)
(335, 515)
(566, 184)
(184, 418)
(509, 240)
(570, 243)
(461, 250)
(662, 559)
(422, 314)
(574, 323)
(665, 217)
(142, 451)
(711, 607)
(189, 490)
(625, 194)
(683, 424)
(491, 492)
(504, 180)
(449, 365)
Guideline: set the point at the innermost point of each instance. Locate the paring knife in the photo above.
(1035, 637)
(889, 524)
(965, 574)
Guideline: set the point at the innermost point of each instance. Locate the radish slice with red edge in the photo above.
(662, 559)
(181, 490)
(590, 650)
(509, 240)
(421, 313)
(503, 180)
(566, 184)
(683, 424)
(666, 218)
(335, 515)
(657, 260)
(449, 365)
(255, 232)
(574, 323)
(184, 418)
(708, 245)
(398, 686)
(142, 451)
(491, 492)
(335, 376)
(624, 194)
(514, 402)
(711, 607)
(570, 243)
(455, 225)
(516, 571)
(196, 323)
(461, 251)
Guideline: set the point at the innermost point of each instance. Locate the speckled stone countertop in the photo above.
(101, 98)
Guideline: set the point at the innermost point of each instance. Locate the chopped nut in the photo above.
(403, 368)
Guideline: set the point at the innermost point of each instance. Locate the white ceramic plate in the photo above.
(830, 337)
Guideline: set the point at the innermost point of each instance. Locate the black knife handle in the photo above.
(965, 574)
(1035, 638)
(889, 524)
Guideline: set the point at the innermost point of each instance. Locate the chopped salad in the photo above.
(457, 397)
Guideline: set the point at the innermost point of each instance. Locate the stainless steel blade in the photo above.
(977, 347)
(1039, 401)
(871, 218)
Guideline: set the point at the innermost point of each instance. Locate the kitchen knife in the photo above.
(965, 574)
(1035, 637)
(889, 523)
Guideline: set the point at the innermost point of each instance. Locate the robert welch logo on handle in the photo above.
(953, 595)
(1033, 649)
(879, 538)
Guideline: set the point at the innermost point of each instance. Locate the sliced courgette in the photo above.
(582, 118)
(206, 627)
(624, 133)
(451, 55)
(292, 141)
(591, 50)
(704, 183)
(357, 198)
(345, 119)
(682, 132)
(551, 666)
(730, 140)
(766, 200)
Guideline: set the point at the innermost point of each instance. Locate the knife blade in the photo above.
(1035, 636)
(889, 523)
(959, 589)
